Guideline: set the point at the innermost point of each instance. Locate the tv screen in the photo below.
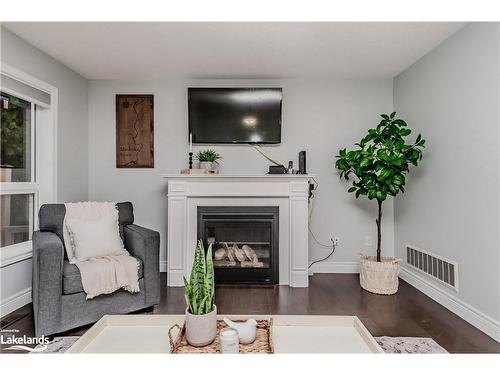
(235, 115)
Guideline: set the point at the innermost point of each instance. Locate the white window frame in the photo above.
(44, 158)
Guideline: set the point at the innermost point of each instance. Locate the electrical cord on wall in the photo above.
(259, 149)
(311, 200)
(332, 246)
(319, 243)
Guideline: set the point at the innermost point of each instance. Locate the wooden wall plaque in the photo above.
(134, 131)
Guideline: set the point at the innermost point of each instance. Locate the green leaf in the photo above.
(341, 164)
(364, 162)
(399, 122)
(197, 280)
(352, 189)
(399, 180)
(385, 174)
(392, 115)
(405, 132)
(381, 196)
(209, 281)
(188, 295)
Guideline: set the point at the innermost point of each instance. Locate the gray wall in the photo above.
(451, 205)
(72, 133)
(318, 116)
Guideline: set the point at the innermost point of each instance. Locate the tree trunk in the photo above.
(379, 230)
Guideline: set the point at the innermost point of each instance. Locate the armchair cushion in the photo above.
(94, 238)
(51, 218)
(72, 280)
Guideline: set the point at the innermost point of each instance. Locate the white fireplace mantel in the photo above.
(288, 192)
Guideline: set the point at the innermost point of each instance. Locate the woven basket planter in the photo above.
(379, 277)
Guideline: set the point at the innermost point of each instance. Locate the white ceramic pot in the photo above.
(379, 277)
(207, 165)
(201, 329)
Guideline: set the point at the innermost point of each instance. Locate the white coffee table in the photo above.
(291, 334)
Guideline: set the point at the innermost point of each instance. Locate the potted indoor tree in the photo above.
(377, 169)
(201, 312)
(209, 160)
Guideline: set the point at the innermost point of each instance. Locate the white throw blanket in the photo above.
(106, 274)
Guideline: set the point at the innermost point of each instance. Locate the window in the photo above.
(27, 159)
(17, 169)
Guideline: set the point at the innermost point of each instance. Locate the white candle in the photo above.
(229, 342)
(190, 142)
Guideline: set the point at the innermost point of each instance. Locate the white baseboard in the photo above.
(470, 314)
(299, 279)
(175, 278)
(335, 267)
(14, 302)
(163, 266)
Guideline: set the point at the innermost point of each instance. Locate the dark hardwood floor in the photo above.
(408, 313)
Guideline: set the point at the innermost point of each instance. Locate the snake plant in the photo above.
(200, 289)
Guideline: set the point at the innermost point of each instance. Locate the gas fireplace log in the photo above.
(250, 253)
(250, 264)
(220, 254)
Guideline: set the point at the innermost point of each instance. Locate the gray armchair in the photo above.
(59, 302)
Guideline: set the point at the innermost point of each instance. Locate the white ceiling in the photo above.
(130, 51)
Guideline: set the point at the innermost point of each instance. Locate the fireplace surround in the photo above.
(288, 194)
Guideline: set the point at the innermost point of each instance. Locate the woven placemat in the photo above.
(263, 343)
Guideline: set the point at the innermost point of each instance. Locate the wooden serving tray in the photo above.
(263, 343)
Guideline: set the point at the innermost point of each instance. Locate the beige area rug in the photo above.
(390, 345)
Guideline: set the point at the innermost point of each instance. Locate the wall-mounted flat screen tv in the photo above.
(235, 115)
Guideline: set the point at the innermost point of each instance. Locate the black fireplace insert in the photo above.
(245, 242)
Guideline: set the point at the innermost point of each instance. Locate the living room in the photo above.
(310, 182)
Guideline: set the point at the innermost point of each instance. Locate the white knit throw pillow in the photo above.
(95, 238)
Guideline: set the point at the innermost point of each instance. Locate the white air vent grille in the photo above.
(435, 266)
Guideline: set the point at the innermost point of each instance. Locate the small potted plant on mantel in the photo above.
(379, 166)
(209, 160)
(201, 312)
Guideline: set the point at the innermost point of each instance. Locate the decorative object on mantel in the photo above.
(193, 171)
(209, 160)
(201, 312)
(379, 166)
(263, 343)
(134, 131)
(190, 150)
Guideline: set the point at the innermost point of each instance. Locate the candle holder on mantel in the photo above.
(192, 170)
